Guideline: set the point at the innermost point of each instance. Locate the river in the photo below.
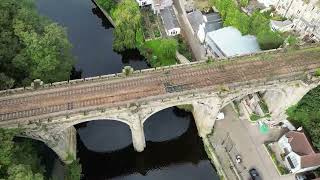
(174, 150)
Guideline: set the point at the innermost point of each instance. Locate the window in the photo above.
(290, 163)
(298, 12)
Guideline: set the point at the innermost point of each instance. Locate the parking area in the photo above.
(233, 136)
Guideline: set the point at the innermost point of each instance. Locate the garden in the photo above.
(151, 24)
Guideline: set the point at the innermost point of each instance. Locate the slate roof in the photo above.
(195, 18)
(169, 18)
(212, 17)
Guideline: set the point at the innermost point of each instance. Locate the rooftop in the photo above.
(169, 18)
(195, 18)
(231, 43)
(301, 145)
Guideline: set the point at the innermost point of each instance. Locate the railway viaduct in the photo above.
(48, 112)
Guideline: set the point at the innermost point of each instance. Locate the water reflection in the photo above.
(181, 157)
(91, 36)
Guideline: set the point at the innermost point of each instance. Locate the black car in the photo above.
(254, 174)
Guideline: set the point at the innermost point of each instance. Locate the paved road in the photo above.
(243, 138)
(197, 49)
(155, 84)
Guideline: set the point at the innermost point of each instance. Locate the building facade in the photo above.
(299, 153)
(305, 15)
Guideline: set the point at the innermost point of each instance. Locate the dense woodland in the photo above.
(31, 46)
(307, 114)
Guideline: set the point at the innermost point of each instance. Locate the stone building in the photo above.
(305, 15)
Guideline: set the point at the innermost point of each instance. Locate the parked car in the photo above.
(254, 174)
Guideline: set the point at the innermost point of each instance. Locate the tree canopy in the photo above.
(307, 114)
(31, 46)
(258, 24)
(127, 18)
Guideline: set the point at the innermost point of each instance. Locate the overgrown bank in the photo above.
(307, 114)
(20, 159)
(128, 34)
(31, 46)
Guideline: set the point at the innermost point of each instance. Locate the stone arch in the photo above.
(95, 118)
(242, 94)
(158, 109)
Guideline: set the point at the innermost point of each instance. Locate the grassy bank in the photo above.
(160, 52)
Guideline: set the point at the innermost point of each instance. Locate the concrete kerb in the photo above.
(213, 157)
(274, 164)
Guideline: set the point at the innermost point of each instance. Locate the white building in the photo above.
(156, 5)
(170, 21)
(305, 15)
(202, 24)
(211, 22)
(228, 42)
(144, 2)
(299, 154)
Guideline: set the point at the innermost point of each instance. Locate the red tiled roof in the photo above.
(299, 143)
(302, 146)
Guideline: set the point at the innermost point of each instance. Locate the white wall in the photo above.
(144, 2)
(201, 34)
(173, 32)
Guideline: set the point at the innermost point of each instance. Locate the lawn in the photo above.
(160, 52)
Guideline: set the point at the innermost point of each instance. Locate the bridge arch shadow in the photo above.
(167, 124)
(104, 135)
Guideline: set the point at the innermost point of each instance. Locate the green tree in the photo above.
(269, 40)
(22, 172)
(6, 153)
(127, 18)
(73, 171)
(31, 46)
(108, 5)
(307, 114)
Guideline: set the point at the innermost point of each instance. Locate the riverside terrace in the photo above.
(47, 112)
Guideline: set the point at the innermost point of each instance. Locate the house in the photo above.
(299, 154)
(282, 26)
(304, 14)
(228, 42)
(156, 5)
(202, 24)
(195, 18)
(211, 22)
(144, 2)
(170, 21)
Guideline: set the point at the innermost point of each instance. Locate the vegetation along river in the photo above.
(174, 150)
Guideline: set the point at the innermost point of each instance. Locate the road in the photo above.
(241, 137)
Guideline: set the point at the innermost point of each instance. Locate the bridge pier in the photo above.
(205, 113)
(138, 139)
(64, 145)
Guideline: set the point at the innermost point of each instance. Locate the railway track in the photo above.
(148, 85)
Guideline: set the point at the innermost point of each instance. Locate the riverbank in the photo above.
(214, 158)
(105, 13)
(158, 51)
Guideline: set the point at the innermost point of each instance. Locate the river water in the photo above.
(174, 150)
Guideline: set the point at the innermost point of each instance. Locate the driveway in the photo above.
(241, 137)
